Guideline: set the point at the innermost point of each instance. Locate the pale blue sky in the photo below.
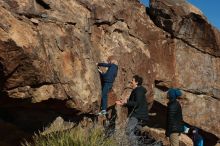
(210, 8)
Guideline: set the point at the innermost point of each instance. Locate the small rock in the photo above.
(35, 21)
(58, 125)
(44, 15)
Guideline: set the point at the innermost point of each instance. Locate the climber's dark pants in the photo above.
(105, 90)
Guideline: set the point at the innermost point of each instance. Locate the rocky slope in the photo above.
(49, 50)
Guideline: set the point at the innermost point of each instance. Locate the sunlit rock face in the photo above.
(49, 50)
(46, 52)
(196, 51)
(187, 23)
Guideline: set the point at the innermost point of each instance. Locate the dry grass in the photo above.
(77, 136)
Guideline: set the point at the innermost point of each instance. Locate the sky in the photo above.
(210, 8)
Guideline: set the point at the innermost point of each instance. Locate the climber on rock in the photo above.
(107, 79)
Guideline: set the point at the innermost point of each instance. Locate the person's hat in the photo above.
(173, 93)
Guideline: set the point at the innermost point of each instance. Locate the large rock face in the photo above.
(196, 61)
(49, 49)
(187, 23)
(47, 54)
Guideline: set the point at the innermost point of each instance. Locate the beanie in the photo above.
(173, 93)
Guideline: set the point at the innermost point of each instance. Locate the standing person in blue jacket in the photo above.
(107, 78)
(174, 117)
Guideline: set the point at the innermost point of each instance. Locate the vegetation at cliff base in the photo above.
(77, 136)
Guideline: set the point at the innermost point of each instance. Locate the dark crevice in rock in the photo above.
(45, 18)
(119, 19)
(147, 11)
(195, 17)
(118, 30)
(98, 23)
(154, 13)
(196, 92)
(159, 121)
(21, 118)
(204, 52)
(43, 4)
(57, 22)
(217, 98)
(159, 84)
(33, 15)
(71, 23)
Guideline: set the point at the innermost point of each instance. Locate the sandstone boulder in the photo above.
(49, 50)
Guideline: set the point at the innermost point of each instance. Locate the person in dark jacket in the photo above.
(196, 137)
(107, 82)
(137, 108)
(174, 117)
